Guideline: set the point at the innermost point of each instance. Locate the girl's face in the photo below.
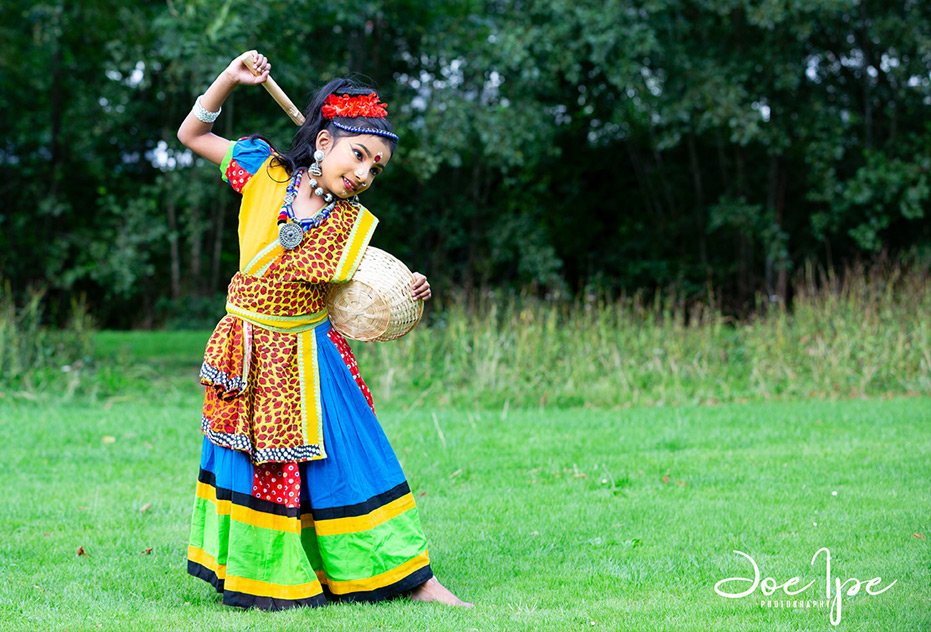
(352, 162)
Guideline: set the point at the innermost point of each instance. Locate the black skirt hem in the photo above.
(246, 601)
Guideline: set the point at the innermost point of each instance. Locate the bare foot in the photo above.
(433, 590)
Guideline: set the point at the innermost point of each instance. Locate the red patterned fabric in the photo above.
(271, 413)
(277, 482)
(350, 361)
(237, 176)
(226, 350)
(244, 159)
(271, 296)
(315, 260)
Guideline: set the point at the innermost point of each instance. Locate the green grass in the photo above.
(547, 518)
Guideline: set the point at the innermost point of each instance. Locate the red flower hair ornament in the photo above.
(366, 105)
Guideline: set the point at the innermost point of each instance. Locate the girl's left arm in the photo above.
(420, 288)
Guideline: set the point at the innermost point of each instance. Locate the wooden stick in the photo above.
(274, 89)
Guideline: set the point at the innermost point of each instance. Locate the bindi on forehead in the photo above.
(373, 154)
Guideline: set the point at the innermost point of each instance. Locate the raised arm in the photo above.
(197, 135)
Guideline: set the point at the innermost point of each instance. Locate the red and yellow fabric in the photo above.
(261, 360)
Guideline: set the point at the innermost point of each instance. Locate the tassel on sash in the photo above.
(225, 360)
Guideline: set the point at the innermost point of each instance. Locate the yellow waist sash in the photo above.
(283, 324)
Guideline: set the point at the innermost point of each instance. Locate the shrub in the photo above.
(32, 355)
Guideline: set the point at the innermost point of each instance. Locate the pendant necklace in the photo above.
(290, 229)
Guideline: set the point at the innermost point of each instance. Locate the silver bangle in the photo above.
(203, 115)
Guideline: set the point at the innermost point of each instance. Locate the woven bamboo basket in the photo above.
(376, 304)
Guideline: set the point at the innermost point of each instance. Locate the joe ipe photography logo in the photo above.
(835, 588)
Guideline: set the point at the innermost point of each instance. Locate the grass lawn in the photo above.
(547, 519)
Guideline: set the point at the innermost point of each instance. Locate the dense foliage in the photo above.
(551, 144)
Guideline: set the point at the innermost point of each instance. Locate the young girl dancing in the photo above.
(300, 498)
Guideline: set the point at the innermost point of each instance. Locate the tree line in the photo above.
(545, 145)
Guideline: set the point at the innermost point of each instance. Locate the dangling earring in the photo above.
(316, 172)
(319, 191)
(315, 169)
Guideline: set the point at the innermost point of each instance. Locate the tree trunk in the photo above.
(55, 119)
(772, 183)
(745, 275)
(219, 216)
(664, 181)
(474, 226)
(377, 39)
(195, 233)
(646, 186)
(173, 249)
(782, 281)
(739, 170)
(722, 161)
(698, 212)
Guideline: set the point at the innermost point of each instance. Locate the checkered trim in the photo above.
(271, 455)
(212, 376)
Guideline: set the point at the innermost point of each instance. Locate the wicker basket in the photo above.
(376, 304)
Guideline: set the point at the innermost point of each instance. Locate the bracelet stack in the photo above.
(203, 115)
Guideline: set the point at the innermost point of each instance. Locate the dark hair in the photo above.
(301, 153)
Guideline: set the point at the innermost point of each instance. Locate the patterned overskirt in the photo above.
(279, 535)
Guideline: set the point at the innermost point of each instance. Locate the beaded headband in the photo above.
(366, 130)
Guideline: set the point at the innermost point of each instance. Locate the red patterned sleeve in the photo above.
(243, 159)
